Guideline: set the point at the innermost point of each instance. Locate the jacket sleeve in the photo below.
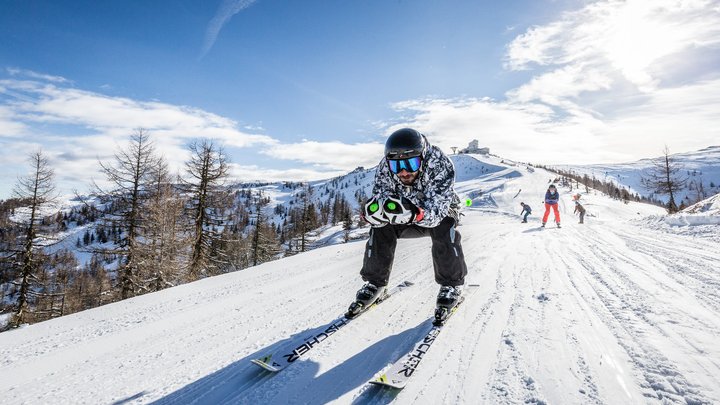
(440, 191)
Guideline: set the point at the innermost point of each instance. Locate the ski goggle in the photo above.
(409, 164)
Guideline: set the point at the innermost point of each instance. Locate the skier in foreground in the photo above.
(413, 197)
(551, 201)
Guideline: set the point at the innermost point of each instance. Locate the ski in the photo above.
(398, 374)
(288, 354)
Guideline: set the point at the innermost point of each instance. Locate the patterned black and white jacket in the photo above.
(433, 190)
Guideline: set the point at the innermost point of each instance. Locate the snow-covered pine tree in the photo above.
(307, 220)
(264, 244)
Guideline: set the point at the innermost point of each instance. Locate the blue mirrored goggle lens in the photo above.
(410, 164)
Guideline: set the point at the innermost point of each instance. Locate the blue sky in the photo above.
(309, 89)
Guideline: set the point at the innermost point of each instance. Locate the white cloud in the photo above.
(684, 118)
(560, 86)
(227, 9)
(250, 173)
(329, 155)
(527, 132)
(9, 127)
(612, 37)
(607, 87)
(538, 45)
(49, 104)
(613, 81)
(76, 127)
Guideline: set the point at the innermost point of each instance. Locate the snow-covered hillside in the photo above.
(701, 168)
(614, 311)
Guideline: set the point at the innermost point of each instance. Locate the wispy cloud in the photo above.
(227, 9)
(34, 75)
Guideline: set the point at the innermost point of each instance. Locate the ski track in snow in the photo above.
(610, 312)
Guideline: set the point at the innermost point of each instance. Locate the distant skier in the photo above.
(552, 197)
(579, 208)
(526, 210)
(413, 196)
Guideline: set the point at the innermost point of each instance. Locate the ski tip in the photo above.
(264, 364)
(383, 381)
(406, 284)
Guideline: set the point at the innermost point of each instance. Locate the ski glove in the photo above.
(373, 212)
(400, 211)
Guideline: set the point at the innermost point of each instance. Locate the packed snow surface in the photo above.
(615, 311)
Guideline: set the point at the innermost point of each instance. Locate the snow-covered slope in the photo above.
(706, 212)
(710, 206)
(613, 311)
(701, 168)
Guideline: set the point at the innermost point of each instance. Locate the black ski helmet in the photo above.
(404, 143)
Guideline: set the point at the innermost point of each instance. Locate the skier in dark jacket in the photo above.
(413, 197)
(579, 209)
(526, 210)
(552, 197)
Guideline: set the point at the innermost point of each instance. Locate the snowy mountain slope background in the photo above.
(612, 311)
(701, 168)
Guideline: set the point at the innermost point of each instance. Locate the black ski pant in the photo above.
(447, 254)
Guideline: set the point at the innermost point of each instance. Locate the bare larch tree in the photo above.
(206, 174)
(164, 242)
(38, 189)
(663, 178)
(129, 178)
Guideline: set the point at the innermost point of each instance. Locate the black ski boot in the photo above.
(366, 296)
(558, 225)
(448, 298)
